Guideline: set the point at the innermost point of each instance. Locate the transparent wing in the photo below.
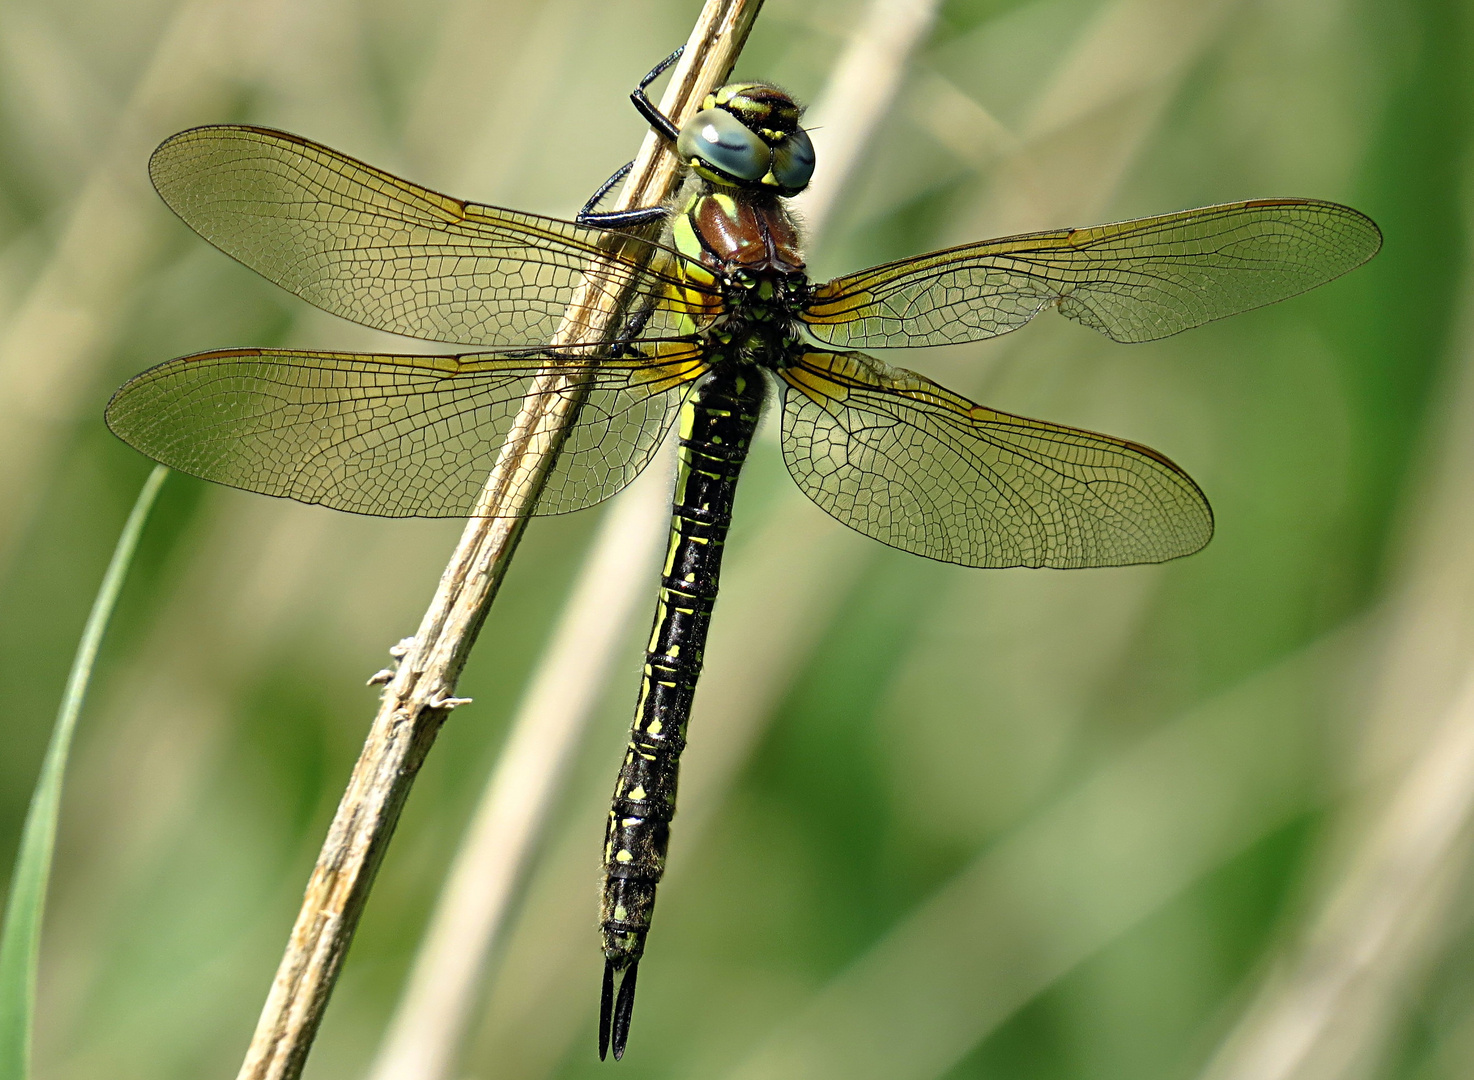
(393, 436)
(381, 251)
(1133, 280)
(903, 460)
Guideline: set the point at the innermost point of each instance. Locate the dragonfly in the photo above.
(722, 325)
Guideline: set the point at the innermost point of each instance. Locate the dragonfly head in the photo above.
(747, 136)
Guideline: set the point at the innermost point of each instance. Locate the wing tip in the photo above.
(174, 145)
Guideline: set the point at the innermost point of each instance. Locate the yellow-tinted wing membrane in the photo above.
(903, 460)
(1133, 280)
(368, 246)
(394, 436)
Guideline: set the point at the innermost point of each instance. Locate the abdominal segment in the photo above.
(716, 432)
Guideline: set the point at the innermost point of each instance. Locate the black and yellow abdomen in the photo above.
(717, 425)
(738, 290)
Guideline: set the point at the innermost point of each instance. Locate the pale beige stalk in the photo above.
(857, 97)
(471, 912)
(421, 692)
(465, 927)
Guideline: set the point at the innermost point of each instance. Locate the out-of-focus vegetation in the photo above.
(1131, 824)
(25, 905)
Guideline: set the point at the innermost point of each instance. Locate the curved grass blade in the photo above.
(20, 937)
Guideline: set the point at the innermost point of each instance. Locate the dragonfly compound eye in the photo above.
(793, 162)
(721, 148)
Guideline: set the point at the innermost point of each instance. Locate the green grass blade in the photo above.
(20, 937)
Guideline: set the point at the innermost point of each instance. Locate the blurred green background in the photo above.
(1202, 819)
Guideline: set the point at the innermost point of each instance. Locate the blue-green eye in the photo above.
(720, 139)
(793, 161)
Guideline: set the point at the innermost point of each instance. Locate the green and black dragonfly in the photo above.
(722, 322)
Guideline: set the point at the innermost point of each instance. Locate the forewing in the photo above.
(1132, 280)
(381, 251)
(393, 436)
(905, 461)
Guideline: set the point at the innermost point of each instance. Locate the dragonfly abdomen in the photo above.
(717, 424)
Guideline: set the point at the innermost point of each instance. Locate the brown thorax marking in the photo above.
(756, 235)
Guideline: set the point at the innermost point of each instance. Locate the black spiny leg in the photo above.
(598, 196)
(630, 219)
(617, 219)
(657, 119)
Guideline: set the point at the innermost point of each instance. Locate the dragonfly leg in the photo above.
(645, 215)
(617, 219)
(598, 196)
(634, 325)
(647, 108)
(624, 219)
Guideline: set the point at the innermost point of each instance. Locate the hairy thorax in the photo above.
(752, 249)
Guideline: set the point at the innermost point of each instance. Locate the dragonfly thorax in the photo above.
(745, 256)
(759, 325)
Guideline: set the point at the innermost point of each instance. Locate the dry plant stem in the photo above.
(471, 913)
(859, 93)
(440, 995)
(421, 694)
(430, 1023)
